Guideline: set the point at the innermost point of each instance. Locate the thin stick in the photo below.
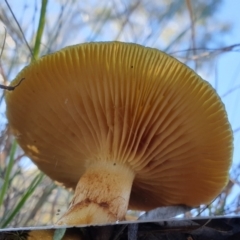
(25, 40)
(11, 88)
(5, 36)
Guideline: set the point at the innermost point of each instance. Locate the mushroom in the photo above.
(126, 126)
(48, 234)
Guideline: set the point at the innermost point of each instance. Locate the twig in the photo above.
(11, 88)
(193, 33)
(25, 40)
(222, 49)
(4, 40)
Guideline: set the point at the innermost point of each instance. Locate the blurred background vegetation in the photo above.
(192, 31)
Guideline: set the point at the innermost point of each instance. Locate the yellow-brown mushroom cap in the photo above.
(129, 105)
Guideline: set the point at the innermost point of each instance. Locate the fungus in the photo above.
(126, 126)
(48, 234)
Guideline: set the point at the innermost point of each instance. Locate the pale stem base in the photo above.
(101, 196)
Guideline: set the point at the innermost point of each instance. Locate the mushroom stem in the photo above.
(101, 196)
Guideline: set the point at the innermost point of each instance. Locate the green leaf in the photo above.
(59, 233)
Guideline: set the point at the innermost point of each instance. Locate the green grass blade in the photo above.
(8, 172)
(41, 24)
(43, 199)
(59, 233)
(10, 165)
(23, 200)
